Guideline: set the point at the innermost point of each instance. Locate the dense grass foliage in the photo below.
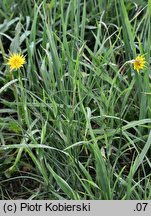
(75, 120)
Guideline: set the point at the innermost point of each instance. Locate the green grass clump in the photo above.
(75, 120)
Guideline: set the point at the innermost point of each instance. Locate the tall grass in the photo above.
(75, 121)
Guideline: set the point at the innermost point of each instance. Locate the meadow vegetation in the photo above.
(75, 120)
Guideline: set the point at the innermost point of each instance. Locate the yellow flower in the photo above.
(139, 63)
(15, 61)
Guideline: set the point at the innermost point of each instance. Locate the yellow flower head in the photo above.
(139, 63)
(15, 61)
